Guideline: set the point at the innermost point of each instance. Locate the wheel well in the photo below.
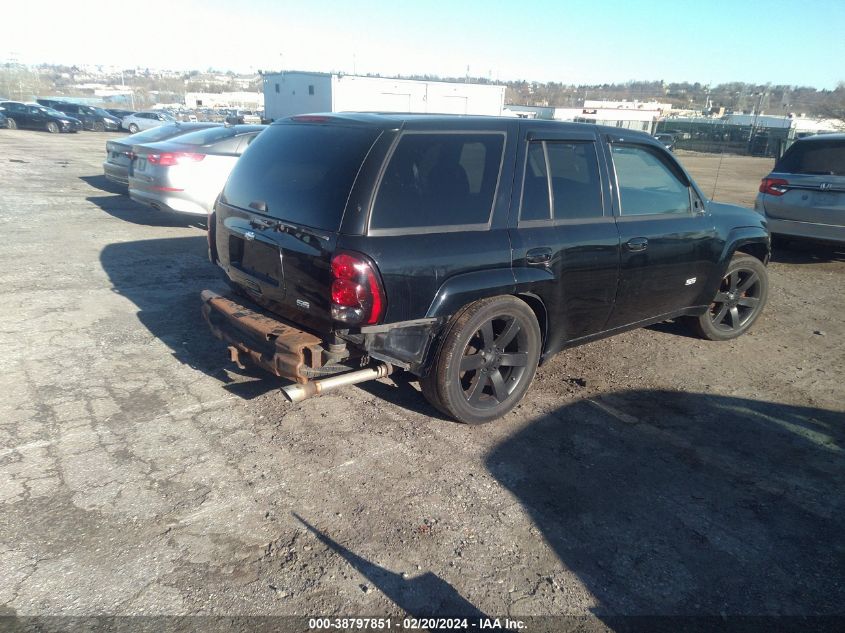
(539, 309)
(755, 249)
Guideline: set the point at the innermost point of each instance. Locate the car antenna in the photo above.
(719, 166)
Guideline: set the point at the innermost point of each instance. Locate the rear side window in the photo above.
(303, 173)
(826, 158)
(647, 186)
(439, 180)
(561, 182)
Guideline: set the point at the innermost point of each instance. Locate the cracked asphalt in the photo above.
(143, 474)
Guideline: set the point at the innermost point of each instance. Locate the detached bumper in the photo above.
(273, 345)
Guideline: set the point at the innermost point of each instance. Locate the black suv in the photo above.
(95, 119)
(466, 250)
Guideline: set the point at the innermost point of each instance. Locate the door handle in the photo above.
(538, 256)
(637, 244)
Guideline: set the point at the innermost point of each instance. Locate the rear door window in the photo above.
(303, 173)
(576, 185)
(561, 182)
(439, 180)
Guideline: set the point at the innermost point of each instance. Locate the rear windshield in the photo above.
(207, 136)
(825, 158)
(302, 172)
(158, 133)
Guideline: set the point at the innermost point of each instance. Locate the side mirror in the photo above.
(698, 205)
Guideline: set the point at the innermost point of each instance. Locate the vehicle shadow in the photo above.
(104, 184)
(807, 252)
(424, 596)
(675, 327)
(685, 504)
(400, 389)
(164, 278)
(124, 208)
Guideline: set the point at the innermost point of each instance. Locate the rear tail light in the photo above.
(357, 293)
(167, 159)
(774, 186)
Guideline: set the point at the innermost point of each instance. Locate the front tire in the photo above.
(53, 127)
(740, 299)
(133, 129)
(486, 361)
(99, 126)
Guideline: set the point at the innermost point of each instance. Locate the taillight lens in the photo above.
(357, 293)
(167, 159)
(774, 186)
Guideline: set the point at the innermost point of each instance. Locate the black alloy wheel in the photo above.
(738, 302)
(486, 361)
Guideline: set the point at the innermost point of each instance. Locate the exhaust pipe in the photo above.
(298, 393)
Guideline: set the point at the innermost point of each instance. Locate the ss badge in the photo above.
(690, 281)
(303, 304)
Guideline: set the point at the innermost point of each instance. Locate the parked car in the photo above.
(120, 113)
(186, 174)
(4, 122)
(37, 117)
(145, 120)
(466, 250)
(668, 140)
(804, 196)
(95, 119)
(119, 153)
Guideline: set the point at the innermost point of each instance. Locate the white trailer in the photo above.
(290, 93)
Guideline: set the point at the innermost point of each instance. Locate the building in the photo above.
(241, 100)
(292, 92)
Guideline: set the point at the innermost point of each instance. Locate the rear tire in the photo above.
(133, 129)
(11, 124)
(486, 361)
(53, 127)
(739, 300)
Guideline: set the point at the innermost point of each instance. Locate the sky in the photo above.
(583, 42)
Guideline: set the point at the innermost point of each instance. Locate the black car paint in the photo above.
(584, 279)
(91, 120)
(34, 117)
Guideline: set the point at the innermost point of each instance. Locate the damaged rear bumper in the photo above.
(268, 342)
(287, 351)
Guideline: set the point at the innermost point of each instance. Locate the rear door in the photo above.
(440, 211)
(668, 240)
(565, 234)
(814, 172)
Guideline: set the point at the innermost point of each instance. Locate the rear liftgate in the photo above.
(281, 349)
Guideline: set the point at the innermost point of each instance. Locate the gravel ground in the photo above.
(141, 473)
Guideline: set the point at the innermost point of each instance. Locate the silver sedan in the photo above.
(186, 174)
(145, 120)
(119, 152)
